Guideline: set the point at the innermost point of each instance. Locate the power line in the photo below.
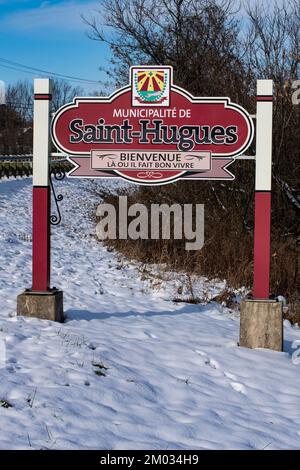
(49, 74)
(27, 69)
(72, 79)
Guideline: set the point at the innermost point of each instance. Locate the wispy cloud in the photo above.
(13, 2)
(63, 15)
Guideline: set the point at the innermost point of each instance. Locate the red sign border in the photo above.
(223, 100)
(226, 101)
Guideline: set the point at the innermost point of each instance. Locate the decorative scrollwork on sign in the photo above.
(191, 157)
(59, 175)
(110, 156)
(149, 174)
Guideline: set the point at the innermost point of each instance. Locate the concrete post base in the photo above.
(261, 324)
(47, 306)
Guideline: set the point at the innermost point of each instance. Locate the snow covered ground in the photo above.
(129, 369)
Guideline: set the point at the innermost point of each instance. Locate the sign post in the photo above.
(261, 318)
(41, 188)
(263, 178)
(41, 301)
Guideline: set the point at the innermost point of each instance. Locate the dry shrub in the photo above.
(227, 298)
(215, 51)
(228, 248)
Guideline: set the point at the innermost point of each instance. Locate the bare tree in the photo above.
(273, 46)
(273, 51)
(212, 55)
(64, 92)
(216, 51)
(199, 38)
(17, 113)
(19, 97)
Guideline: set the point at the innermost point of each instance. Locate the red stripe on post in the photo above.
(41, 239)
(43, 96)
(262, 227)
(264, 98)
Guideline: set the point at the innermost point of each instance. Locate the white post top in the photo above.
(264, 87)
(41, 131)
(42, 85)
(264, 116)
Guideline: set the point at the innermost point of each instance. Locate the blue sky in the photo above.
(50, 35)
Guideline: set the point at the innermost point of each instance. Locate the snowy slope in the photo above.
(175, 378)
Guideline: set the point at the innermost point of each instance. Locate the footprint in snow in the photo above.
(238, 387)
(150, 335)
(212, 363)
(201, 353)
(230, 376)
(208, 361)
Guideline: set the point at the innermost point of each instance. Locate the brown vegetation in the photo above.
(216, 51)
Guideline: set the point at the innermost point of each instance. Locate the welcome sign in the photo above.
(152, 132)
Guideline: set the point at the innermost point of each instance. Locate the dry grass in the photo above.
(228, 249)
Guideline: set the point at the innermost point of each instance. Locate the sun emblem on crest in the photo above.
(150, 86)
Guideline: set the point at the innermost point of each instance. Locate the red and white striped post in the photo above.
(41, 188)
(263, 177)
(261, 319)
(41, 301)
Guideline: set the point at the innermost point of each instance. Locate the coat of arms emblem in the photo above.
(150, 86)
